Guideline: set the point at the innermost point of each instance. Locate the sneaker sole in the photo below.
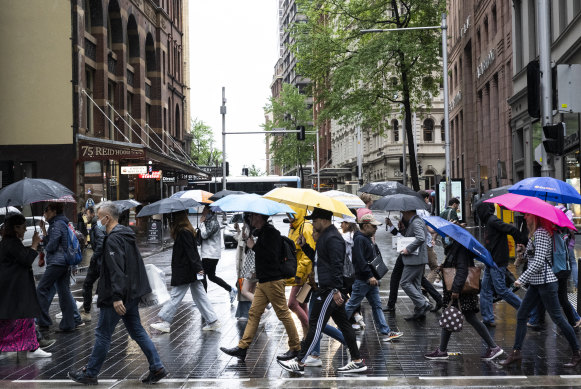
(165, 331)
(392, 338)
(494, 356)
(358, 370)
(289, 369)
(437, 358)
(79, 382)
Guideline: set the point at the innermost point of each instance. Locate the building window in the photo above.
(518, 33)
(443, 131)
(87, 10)
(89, 85)
(428, 129)
(395, 125)
(493, 17)
(486, 36)
(111, 100)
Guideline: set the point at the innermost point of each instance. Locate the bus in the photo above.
(258, 184)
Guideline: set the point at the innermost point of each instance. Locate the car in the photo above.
(229, 230)
(32, 224)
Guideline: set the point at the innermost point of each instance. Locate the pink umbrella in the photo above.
(534, 206)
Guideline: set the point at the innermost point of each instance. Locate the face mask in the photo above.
(447, 241)
(101, 226)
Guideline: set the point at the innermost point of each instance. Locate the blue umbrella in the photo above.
(547, 189)
(250, 203)
(462, 236)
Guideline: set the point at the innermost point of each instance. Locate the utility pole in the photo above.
(223, 113)
(446, 108)
(404, 161)
(359, 157)
(543, 12)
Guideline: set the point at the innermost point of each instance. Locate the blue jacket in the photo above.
(362, 253)
(55, 240)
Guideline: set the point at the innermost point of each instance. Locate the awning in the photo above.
(331, 172)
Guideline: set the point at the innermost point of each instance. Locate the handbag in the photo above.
(303, 293)
(472, 284)
(377, 266)
(452, 318)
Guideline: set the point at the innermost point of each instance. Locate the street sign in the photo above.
(154, 231)
(133, 169)
(213, 170)
(154, 174)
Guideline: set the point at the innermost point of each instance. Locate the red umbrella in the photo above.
(534, 206)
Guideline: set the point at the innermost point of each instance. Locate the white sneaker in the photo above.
(353, 367)
(212, 326)
(38, 353)
(313, 362)
(162, 326)
(359, 319)
(233, 293)
(356, 327)
(79, 304)
(59, 316)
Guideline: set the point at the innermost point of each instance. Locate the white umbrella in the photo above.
(5, 210)
(350, 200)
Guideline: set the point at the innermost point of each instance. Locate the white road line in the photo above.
(476, 377)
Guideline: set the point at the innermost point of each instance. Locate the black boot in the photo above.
(574, 360)
(237, 352)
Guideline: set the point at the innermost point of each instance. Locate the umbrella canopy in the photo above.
(309, 199)
(250, 203)
(548, 189)
(224, 193)
(8, 210)
(167, 206)
(124, 205)
(201, 196)
(388, 188)
(490, 194)
(534, 206)
(32, 190)
(462, 236)
(401, 202)
(350, 200)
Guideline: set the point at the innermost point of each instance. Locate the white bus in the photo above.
(259, 184)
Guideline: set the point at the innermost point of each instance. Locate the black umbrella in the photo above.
(124, 205)
(400, 202)
(224, 193)
(491, 194)
(32, 190)
(169, 205)
(387, 188)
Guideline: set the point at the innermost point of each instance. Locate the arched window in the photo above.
(178, 122)
(443, 131)
(150, 65)
(132, 39)
(428, 130)
(395, 125)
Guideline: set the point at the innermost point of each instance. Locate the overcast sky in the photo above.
(233, 44)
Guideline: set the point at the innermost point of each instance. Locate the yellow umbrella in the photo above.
(309, 199)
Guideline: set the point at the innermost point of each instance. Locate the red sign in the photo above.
(155, 174)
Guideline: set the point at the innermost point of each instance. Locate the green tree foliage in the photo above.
(362, 78)
(288, 111)
(203, 152)
(254, 171)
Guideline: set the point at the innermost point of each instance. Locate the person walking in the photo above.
(460, 258)
(270, 289)
(496, 242)
(245, 269)
(96, 237)
(211, 250)
(18, 300)
(328, 302)
(451, 211)
(366, 285)
(543, 285)
(186, 273)
(57, 271)
(122, 283)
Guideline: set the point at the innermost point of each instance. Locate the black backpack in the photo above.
(288, 257)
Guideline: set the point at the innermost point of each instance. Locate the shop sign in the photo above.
(154, 174)
(91, 152)
(213, 170)
(455, 101)
(465, 27)
(485, 64)
(168, 179)
(133, 169)
(154, 231)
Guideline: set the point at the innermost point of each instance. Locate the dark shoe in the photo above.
(489, 323)
(155, 376)
(574, 360)
(290, 354)
(415, 316)
(61, 331)
(237, 352)
(512, 357)
(388, 309)
(437, 307)
(492, 353)
(427, 308)
(81, 377)
(44, 343)
(437, 355)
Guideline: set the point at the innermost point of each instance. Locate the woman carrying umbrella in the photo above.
(543, 285)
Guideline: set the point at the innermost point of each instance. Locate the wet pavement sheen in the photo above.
(193, 358)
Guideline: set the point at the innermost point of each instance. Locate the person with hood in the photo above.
(211, 250)
(96, 237)
(366, 285)
(496, 242)
(122, 283)
(304, 264)
(57, 271)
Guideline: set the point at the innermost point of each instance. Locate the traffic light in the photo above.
(420, 170)
(554, 138)
(301, 133)
(401, 164)
(534, 89)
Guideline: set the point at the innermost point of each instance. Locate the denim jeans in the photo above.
(108, 320)
(573, 262)
(61, 276)
(494, 281)
(547, 293)
(199, 296)
(362, 289)
(328, 330)
(76, 313)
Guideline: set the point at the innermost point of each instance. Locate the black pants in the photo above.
(563, 277)
(93, 273)
(396, 278)
(209, 265)
(322, 309)
(480, 328)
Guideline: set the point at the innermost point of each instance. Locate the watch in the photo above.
(334, 291)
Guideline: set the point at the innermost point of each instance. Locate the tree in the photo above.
(203, 152)
(361, 78)
(254, 171)
(290, 110)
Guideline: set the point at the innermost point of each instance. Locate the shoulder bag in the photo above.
(377, 266)
(472, 284)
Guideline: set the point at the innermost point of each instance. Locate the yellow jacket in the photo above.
(304, 264)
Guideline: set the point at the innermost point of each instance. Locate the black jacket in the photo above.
(123, 276)
(97, 236)
(18, 299)
(268, 253)
(461, 258)
(185, 259)
(495, 234)
(363, 252)
(330, 252)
